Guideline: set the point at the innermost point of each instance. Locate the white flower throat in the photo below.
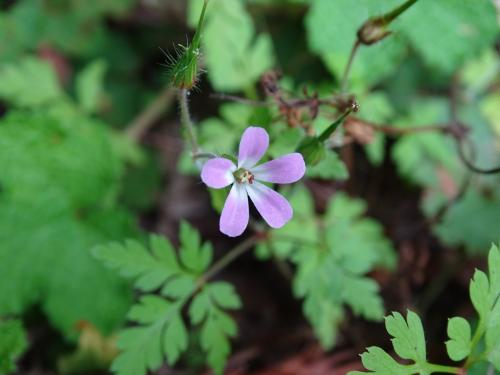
(243, 176)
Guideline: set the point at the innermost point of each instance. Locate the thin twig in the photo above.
(390, 130)
(151, 114)
(239, 99)
(227, 259)
(468, 163)
(347, 70)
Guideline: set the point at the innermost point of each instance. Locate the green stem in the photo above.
(442, 369)
(347, 70)
(227, 259)
(186, 121)
(389, 17)
(474, 342)
(151, 114)
(197, 35)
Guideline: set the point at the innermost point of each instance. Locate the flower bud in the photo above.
(373, 31)
(185, 69)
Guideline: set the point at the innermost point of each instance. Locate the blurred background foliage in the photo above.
(81, 163)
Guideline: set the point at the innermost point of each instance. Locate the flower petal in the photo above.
(253, 145)
(284, 170)
(273, 207)
(234, 217)
(218, 173)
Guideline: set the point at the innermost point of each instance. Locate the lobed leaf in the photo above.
(459, 344)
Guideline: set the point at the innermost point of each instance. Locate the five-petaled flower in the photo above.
(221, 172)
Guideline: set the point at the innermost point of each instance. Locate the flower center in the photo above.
(243, 175)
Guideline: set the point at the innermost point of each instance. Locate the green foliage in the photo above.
(463, 29)
(331, 167)
(13, 343)
(236, 56)
(459, 344)
(60, 180)
(161, 331)
(332, 254)
(332, 27)
(89, 86)
(430, 160)
(457, 229)
(71, 26)
(460, 30)
(408, 337)
(29, 83)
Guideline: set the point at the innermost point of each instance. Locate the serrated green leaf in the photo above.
(459, 344)
(492, 325)
(330, 167)
(29, 83)
(328, 274)
(379, 362)
(65, 180)
(89, 86)
(480, 294)
(199, 308)
(180, 286)
(217, 326)
(331, 30)
(150, 309)
(408, 336)
(133, 260)
(460, 30)
(194, 256)
(175, 339)
(13, 343)
(162, 334)
(224, 295)
(236, 56)
(456, 228)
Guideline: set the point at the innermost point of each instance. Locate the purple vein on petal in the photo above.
(283, 170)
(234, 216)
(273, 207)
(253, 145)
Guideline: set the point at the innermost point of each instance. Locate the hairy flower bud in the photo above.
(185, 69)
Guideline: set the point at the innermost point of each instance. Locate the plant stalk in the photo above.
(187, 123)
(227, 259)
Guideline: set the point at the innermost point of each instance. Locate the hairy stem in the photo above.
(186, 121)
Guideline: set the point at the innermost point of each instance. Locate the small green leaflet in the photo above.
(161, 331)
(13, 343)
(30, 82)
(236, 55)
(408, 342)
(331, 271)
(485, 296)
(216, 325)
(446, 33)
(459, 344)
(408, 337)
(89, 86)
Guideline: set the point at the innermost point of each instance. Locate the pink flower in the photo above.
(221, 172)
